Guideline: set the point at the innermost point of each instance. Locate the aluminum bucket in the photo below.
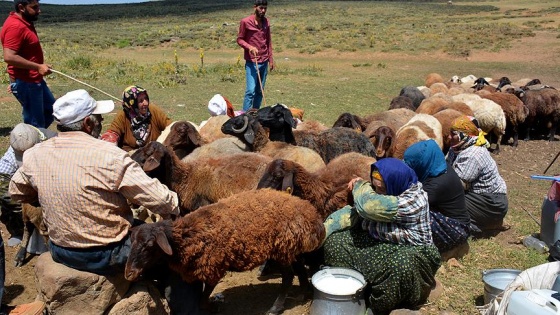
(496, 281)
(338, 291)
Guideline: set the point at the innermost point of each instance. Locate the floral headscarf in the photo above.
(469, 134)
(396, 175)
(140, 124)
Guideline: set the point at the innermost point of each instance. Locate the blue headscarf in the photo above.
(397, 176)
(426, 159)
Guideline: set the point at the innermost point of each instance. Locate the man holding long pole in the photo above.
(254, 37)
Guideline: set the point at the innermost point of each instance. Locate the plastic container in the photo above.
(550, 228)
(536, 244)
(496, 280)
(533, 302)
(338, 291)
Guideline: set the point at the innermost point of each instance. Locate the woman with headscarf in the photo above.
(485, 190)
(139, 123)
(449, 217)
(386, 236)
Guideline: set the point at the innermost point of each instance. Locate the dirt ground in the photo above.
(243, 293)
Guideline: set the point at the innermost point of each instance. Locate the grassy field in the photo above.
(332, 57)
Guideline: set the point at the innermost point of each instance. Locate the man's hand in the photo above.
(44, 69)
(253, 51)
(271, 65)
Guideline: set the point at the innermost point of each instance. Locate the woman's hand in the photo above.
(352, 182)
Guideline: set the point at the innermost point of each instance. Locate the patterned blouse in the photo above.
(402, 219)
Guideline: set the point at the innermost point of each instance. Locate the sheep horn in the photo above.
(240, 130)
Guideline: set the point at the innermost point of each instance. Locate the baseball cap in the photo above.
(25, 136)
(77, 105)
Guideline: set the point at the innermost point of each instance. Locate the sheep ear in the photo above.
(151, 164)
(194, 136)
(163, 243)
(249, 134)
(288, 183)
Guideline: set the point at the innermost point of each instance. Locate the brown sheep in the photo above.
(446, 118)
(420, 127)
(394, 118)
(432, 105)
(205, 180)
(544, 108)
(433, 78)
(514, 110)
(350, 121)
(211, 130)
(383, 140)
(344, 167)
(238, 234)
(402, 102)
(183, 139)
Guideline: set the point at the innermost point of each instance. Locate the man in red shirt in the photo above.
(26, 67)
(254, 37)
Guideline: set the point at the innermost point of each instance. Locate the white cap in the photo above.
(25, 136)
(217, 105)
(77, 105)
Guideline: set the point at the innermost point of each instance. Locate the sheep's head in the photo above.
(241, 127)
(183, 136)
(382, 140)
(279, 120)
(279, 175)
(151, 158)
(149, 245)
(349, 121)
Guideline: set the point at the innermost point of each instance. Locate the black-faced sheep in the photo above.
(249, 130)
(544, 109)
(205, 180)
(514, 110)
(237, 234)
(328, 144)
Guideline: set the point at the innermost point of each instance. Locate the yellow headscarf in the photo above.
(469, 133)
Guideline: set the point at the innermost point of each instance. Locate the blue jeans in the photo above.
(253, 93)
(37, 102)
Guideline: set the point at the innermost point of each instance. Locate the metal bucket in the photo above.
(338, 291)
(496, 281)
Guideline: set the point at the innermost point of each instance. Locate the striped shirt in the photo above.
(477, 168)
(403, 219)
(83, 185)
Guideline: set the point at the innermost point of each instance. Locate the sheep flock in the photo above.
(258, 186)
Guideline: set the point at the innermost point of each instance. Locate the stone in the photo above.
(70, 291)
(142, 298)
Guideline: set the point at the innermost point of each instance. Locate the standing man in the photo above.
(26, 67)
(254, 37)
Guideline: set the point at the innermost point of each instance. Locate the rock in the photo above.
(70, 291)
(142, 298)
(436, 291)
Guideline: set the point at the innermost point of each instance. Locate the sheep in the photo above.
(414, 93)
(183, 139)
(205, 180)
(394, 118)
(32, 219)
(211, 130)
(420, 127)
(438, 87)
(401, 102)
(221, 147)
(328, 143)
(311, 126)
(344, 167)
(433, 105)
(544, 108)
(383, 140)
(514, 110)
(249, 130)
(237, 233)
(446, 118)
(433, 78)
(350, 121)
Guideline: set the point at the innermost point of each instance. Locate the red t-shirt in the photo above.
(19, 35)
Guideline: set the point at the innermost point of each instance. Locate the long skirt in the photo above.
(398, 276)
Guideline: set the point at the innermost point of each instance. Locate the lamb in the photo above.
(32, 219)
(238, 234)
(420, 127)
(544, 107)
(249, 130)
(205, 180)
(514, 110)
(183, 139)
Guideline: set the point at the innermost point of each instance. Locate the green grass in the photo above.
(331, 57)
